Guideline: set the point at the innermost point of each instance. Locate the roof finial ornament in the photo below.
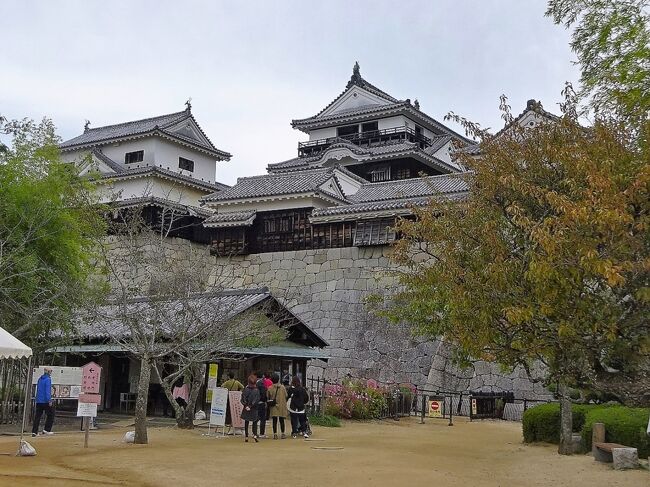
(188, 104)
(416, 104)
(86, 125)
(356, 78)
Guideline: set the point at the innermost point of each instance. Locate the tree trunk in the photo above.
(566, 421)
(186, 420)
(141, 402)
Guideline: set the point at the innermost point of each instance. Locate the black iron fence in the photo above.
(402, 401)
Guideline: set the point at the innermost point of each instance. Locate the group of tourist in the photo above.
(265, 397)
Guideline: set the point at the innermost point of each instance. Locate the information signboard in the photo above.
(218, 406)
(213, 374)
(236, 408)
(65, 376)
(90, 374)
(87, 409)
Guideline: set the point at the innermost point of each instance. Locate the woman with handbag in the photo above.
(277, 402)
(250, 399)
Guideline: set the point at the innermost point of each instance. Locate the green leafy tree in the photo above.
(49, 225)
(611, 39)
(546, 260)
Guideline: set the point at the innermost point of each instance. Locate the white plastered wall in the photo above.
(150, 186)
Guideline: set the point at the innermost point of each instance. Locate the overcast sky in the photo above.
(250, 67)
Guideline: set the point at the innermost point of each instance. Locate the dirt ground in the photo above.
(483, 453)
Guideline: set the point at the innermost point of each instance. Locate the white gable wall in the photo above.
(117, 151)
(157, 152)
(117, 190)
(355, 97)
(167, 154)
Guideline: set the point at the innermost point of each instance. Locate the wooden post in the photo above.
(424, 406)
(451, 410)
(86, 430)
(597, 434)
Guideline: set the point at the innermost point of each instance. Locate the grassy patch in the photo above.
(325, 420)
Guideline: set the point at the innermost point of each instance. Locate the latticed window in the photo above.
(375, 232)
(380, 174)
(403, 173)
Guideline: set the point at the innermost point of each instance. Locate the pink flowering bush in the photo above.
(355, 400)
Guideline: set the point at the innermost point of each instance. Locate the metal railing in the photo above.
(365, 139)
(402, 403)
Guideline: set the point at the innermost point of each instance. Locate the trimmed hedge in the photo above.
(622, 424)
(542, 423)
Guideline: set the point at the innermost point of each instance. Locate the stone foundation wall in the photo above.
(327, 288)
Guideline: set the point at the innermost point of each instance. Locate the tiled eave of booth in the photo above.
(233, 302)
(157, 171)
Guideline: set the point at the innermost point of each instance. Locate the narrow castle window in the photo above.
(370, 126)
(133, 157)
(403, 173)
(186, 164)
(347, 130)
(380, 174)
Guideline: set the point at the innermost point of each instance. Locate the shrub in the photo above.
(325, 420)
(542, 423)
(354, 400)
(623, 425)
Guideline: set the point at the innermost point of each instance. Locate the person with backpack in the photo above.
(261, 407)
(298, 400)
(250, 399)
(277, 403)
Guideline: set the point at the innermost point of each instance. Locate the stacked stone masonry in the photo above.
(327, 289)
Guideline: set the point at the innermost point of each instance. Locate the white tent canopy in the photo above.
(11, 347)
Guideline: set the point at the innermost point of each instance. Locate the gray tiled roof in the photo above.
(411, 188)
(276, 184)
(304, 162)
(108, 322)
(231, 219)
(368, 207)
(108, 161)
(145, 126)
(437, 143)
(161, 202)
(167, 173)
(368, 109)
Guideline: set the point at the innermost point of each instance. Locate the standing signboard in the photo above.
(218, 408)
(89, 398)
(236, 409)
(213, 374)
(435, 407)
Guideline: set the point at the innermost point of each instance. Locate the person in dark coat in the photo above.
(298, 400)
(261, 406)
(250, 399)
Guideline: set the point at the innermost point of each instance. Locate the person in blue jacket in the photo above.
(44, 403)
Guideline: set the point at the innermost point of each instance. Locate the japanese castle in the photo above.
(368, 160)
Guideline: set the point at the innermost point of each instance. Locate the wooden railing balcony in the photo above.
(373, 138)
